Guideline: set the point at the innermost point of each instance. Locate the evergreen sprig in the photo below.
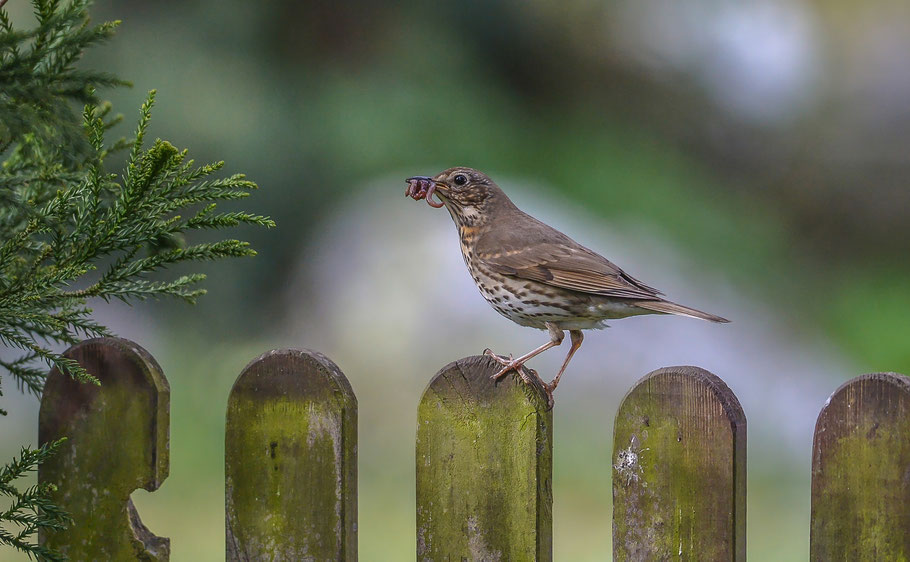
(134, 222)
(39, 77)
(71, 229)
(31, 510)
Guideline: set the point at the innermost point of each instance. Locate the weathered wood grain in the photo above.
(679, 470)
(861, 472)
(484, 467)
(117, 442)
(291, 460)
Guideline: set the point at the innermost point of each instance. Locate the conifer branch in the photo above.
(72, 229)
(30, 511)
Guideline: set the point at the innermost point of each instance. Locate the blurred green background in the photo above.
(752, 155)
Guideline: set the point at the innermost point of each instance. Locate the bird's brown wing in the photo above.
(561, 262)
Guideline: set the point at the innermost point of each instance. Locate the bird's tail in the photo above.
(667, 307)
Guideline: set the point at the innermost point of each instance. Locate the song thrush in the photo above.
(533, 274)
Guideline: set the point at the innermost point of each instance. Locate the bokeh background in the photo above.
(749, 158)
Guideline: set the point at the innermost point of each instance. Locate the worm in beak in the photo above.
(422, 187)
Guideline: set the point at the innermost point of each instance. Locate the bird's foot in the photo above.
(529, 376)
(508, 364)
(526, 374)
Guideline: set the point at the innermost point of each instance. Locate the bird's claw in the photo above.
(489, 353)
(501, 359)
(520, 369)
(548, 389)
(510, 364)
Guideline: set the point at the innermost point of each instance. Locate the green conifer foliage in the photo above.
(72, 229)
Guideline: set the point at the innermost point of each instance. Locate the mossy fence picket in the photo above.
(484, 463)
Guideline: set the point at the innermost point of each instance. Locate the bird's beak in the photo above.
(423, 187)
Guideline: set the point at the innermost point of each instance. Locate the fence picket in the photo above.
(117, 442)
(679, 469)
(861, 472)
(484, 467)
(291, 460)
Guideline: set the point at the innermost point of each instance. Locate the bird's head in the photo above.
(470, 196)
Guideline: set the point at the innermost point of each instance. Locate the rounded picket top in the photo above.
(484, 466)
(679, 469)
(291, 460)
(861, 471)
(117, 442)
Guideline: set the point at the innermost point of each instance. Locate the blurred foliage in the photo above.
(342, 94)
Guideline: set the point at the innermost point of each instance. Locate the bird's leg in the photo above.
(577, 338)
(556, 337)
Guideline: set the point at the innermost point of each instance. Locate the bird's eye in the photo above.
(460, 179)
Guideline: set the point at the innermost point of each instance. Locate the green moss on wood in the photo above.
(679, 469)
(117, 442)
(290, 461)
(861, 472)
(484, 467)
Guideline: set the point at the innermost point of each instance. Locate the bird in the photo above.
(533, 274)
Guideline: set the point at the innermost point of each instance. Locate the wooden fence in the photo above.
(484, 463)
